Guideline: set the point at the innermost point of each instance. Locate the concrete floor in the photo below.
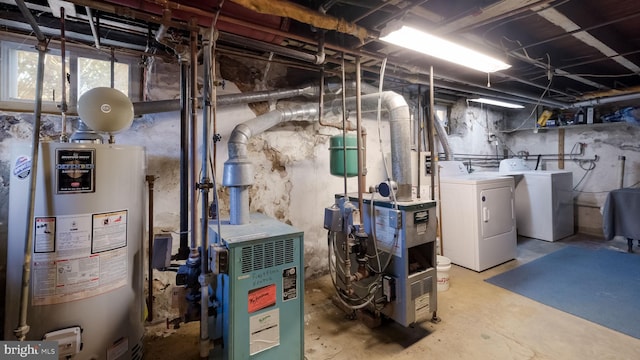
(479, 321)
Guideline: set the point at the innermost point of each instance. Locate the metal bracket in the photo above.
(204, 185)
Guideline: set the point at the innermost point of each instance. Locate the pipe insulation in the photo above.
(238, 170)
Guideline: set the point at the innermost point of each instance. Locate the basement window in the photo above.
(85, 70)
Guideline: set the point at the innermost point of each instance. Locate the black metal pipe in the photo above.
(193, 146)
(183, 251)
(150, 179)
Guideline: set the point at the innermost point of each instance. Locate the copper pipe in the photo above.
(337, 125)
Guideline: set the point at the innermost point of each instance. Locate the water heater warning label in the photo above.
(75, 171)
(64, 267)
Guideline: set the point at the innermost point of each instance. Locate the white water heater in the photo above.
(86, 288)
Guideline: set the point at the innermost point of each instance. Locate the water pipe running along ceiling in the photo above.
(562, 51)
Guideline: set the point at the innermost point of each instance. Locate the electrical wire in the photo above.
(484, 35)
(378, 118)
(533, 110)
(213, 109)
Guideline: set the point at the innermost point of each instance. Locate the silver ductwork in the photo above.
(442, 136)
(400, 128)
(238, 169)
(308, 91)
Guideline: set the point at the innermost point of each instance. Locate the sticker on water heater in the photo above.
(75, 170)
(22, 168)
(45, 234)
(289, 284)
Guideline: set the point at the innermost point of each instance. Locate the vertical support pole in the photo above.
(560, 149)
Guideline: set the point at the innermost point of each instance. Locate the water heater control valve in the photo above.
(69, 341)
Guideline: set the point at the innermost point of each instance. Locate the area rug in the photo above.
(599, 285)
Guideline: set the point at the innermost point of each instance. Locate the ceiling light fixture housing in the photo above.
(397, 33)
(497, 103)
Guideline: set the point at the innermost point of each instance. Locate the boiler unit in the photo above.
(388, 264)
(259, 289)
(86, 269)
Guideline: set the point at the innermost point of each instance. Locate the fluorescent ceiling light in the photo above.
(497, 103)
(428, 44)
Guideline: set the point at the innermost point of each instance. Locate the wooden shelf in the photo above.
(576, 126)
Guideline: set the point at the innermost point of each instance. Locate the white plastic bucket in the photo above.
(443, 267)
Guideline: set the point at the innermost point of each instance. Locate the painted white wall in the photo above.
(607, 142)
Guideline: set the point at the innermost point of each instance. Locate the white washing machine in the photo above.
(478, 217)
(544, 205)
(543, 201)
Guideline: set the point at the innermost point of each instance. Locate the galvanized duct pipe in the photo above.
(442, 136)
(308, 91)
(238, 169)
(400, 127)
(152, 107)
